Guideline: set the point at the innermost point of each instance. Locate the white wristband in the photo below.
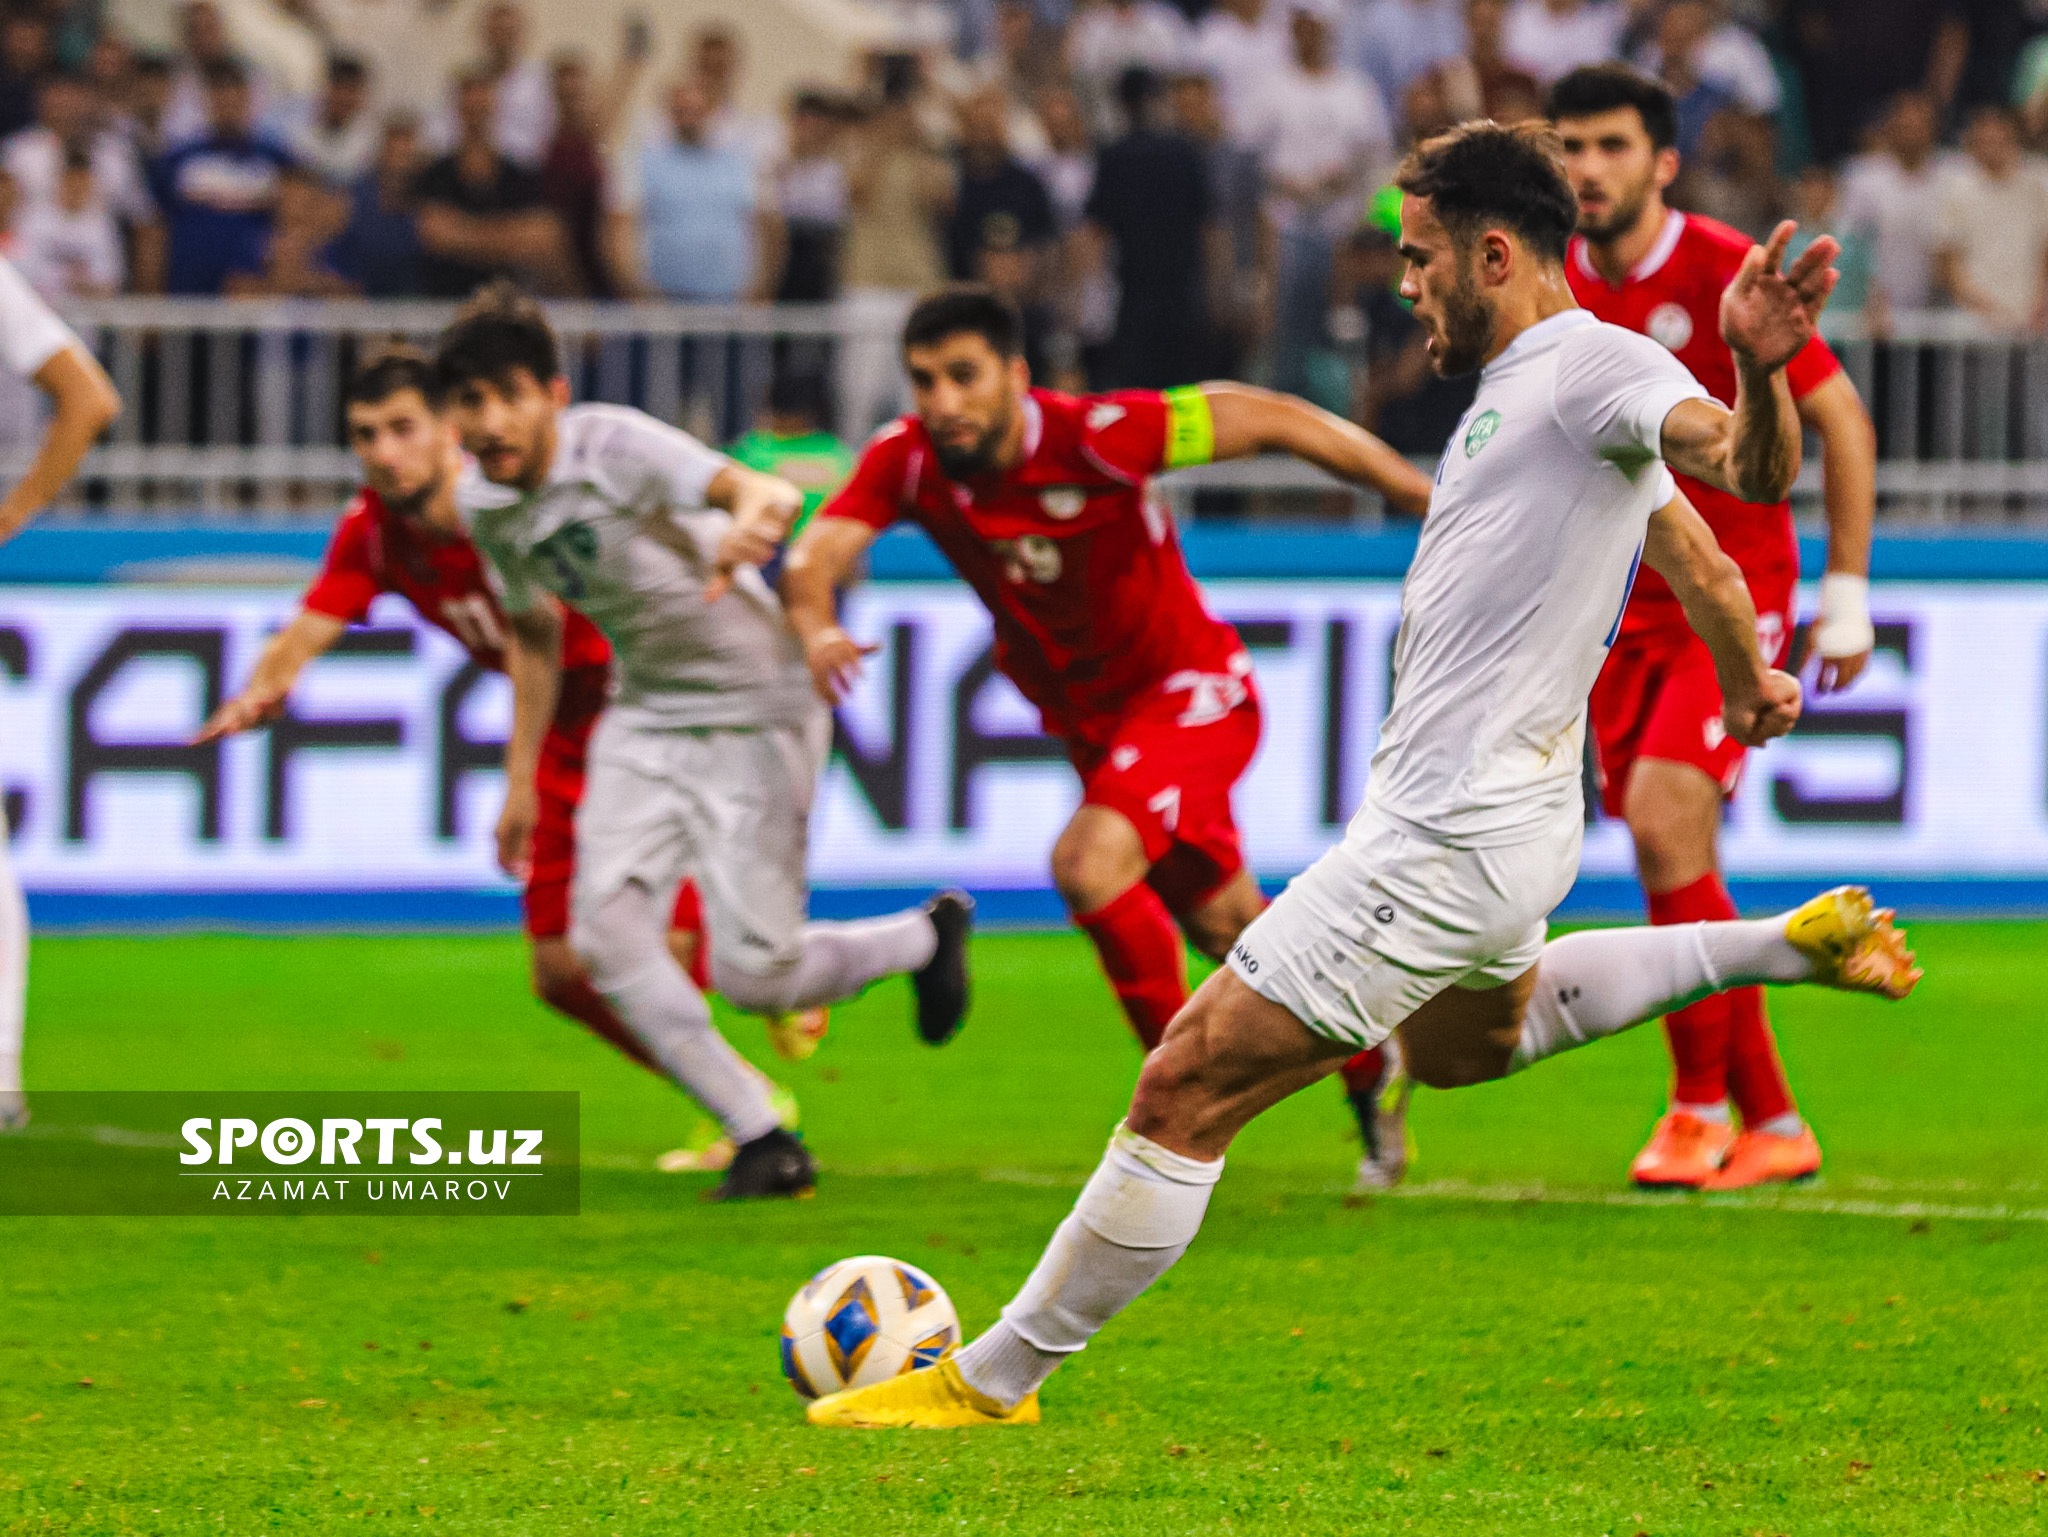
(1843, 628)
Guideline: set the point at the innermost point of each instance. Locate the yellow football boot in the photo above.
(796, 1036)
(1853, 946)
(935, 1398)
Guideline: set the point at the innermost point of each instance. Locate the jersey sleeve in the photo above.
(30, 332)
(878, 490)
(658, 466)
(347, 582)
(1136, 433)
(1614, 390)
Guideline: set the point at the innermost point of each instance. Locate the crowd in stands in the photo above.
(1169, 191)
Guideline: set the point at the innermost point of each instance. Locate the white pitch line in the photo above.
(1777, 1200)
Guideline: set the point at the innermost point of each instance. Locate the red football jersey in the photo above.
(374, 551)
(1674, 297)
(1079, 565)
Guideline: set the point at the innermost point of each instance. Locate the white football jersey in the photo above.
(620, 532)
(30, 335)
(1534, 533)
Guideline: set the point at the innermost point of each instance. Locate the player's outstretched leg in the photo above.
(1228, 1056)
(835, 961)
(1377, 1088)
(624, 945)
(1594, 984)
(13, 989)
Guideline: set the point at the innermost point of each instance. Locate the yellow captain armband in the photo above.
(1190, 428)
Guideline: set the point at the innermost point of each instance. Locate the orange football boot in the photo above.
(1683, 1151)
(1760, 1158)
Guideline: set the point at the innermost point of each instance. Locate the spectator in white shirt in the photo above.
(756, 135)
(1731, 58)
(69, 246)
(206, 43)
(525, 94)
(339, 137)
(1891, 196)
(1394, 41)
(1113, 36)
(35, 156)
(1237, 44)
(1993, 222)
(1551, 38)
(1324, 139)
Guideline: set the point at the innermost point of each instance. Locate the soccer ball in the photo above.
(865, 1320)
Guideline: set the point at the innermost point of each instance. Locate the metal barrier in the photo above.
(234, 409)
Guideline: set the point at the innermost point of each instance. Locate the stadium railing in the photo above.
(234, 405)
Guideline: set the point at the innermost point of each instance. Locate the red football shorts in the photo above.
(1169, 767)
(558, 784)
(1657, 697)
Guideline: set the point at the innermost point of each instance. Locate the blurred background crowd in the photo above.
(1170, 191)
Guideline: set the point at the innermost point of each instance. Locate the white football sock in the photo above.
(626, 950)
(1715, 1114)
(1597, 983)
(839, 959)
(1141, 1209)
(13, 969)
(1787, 1125)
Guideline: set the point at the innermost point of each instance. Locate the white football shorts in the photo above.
(729, 806)
(1388, 919)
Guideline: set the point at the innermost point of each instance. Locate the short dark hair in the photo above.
(1482, 174)
(970, 309)
(1596, 88)
(800, 392)
(224, 74)
(499, 331)
(389, 370)
(346, 69)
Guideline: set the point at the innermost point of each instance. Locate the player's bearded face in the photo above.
(965, 396)
(1613, 169)
(1464, 321)
(403, 449)
(509, 425)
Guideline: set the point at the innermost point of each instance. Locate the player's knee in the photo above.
(559, 977)
(618, 938)
(1090, 870)
(1438, 1061)
(772, 990)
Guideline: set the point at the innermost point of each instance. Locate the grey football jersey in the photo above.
(620, 532)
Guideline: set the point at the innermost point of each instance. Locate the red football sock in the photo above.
(1756, 1078)
(689, 919)
(1141, 952)
(1699, 1034)
(1362, 1072)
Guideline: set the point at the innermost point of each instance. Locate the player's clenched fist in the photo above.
(515, 829)
(1768, 710)
(834, 658)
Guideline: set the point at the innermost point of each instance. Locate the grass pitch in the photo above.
(1513, 1346)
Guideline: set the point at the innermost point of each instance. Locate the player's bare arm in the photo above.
(1842, 635)
(270, 684)
(764, 508)
(1758, 701)
(819, 564)
(1767, 315)
(83, 401)
(533, 660)
(1249, 420)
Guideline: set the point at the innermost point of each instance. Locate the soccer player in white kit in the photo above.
(39, 347)
(707, 756)
(1430, 916)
